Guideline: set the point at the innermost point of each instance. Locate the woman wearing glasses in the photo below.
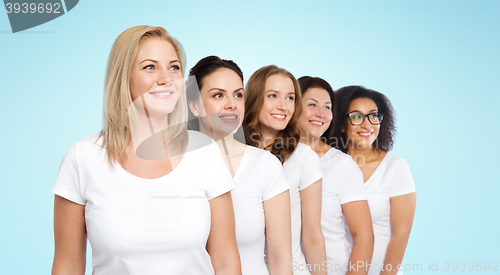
(365, 128)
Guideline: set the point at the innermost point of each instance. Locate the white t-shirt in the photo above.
(145, 226)
(302, 169)
(259, 177)
(391, 178)
(342, 183)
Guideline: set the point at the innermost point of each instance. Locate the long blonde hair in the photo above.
(117, 97)
(288, 138)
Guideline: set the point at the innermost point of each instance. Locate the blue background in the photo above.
(437, 61)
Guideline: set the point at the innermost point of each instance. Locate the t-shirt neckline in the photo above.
(137, 178)
(376, 169)
(242, 162)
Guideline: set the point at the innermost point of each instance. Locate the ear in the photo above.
(342, 129)
(193, 106)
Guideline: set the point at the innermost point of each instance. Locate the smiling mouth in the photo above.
(365, 134)
(278, 116)
(316, 123)
(162, 93)
(232, 118)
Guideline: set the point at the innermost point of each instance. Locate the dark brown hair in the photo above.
(288, 138)
(308, 82)
(202, 69)
(344, 96)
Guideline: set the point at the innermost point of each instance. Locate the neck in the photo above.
(228, 145)
(315, 143)
(268, 136)
(362, 155)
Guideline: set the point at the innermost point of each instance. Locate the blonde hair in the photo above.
(117, 97)
(288, 138)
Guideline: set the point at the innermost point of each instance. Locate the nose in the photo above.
(164, 77)
(230, 103)
(281, 104)
(366, 124)
(321, 113)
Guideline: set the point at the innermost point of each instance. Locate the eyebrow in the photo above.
(372, 111)
(222, 90)
(328, 102)
(156, 61)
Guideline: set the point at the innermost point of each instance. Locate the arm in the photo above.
(357, 215)
(221, 244)
(313, 241)
(402, 213)
(70, 238)
(278, 233)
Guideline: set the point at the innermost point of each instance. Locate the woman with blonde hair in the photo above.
(273, 106)
(132, 189)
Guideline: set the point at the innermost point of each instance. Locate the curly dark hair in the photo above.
(288, 138)
(344, 96)
(308, 82)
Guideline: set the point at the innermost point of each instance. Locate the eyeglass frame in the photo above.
(364, 117)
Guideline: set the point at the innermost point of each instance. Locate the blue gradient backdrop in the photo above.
(437, 61)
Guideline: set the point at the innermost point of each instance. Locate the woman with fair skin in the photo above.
(364, 121)
(273, 106)
(143, 207)
(261, 200)
(344, 196)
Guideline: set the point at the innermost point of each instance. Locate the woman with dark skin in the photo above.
(364, 128)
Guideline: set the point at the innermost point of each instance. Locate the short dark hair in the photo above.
(308, 82)
(344, 96)
(202, 69)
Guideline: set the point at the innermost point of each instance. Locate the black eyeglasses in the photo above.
(357, 118)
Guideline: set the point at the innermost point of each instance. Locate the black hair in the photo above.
(344, 96)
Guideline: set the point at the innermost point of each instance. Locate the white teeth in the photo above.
(317, 123)
(228, 117)
(365, 134)
(161, 93)
(278, 116)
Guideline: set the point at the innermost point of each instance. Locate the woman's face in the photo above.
(156, 75)
(222, 102)
(316, 113)
(365, 134)
(279, 103)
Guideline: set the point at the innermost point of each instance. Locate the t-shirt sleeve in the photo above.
(219, 179)
(67, 184)
(310, 164)
(401, 181)
(274, 181)
(351, 185)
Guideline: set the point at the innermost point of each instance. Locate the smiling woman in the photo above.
(364, 128)
(261, 199)
(142, 215)
(274, 105)
(343, 194)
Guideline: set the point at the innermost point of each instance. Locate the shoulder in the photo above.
(337, 157)
(88, 146)
(394, 162)
(304, 151)
(262, 158)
